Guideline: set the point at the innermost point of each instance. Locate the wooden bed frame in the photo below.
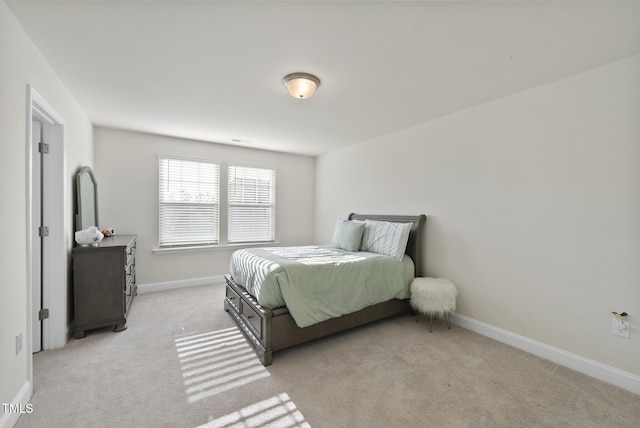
(270, 330)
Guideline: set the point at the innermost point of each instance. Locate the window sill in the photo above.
(200, 248)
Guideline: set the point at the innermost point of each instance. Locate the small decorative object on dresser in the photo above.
(90, 236)
(104, 284)
(433, 296)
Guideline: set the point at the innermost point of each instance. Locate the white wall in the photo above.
(533, 205)
(126, 169)
(21, 64)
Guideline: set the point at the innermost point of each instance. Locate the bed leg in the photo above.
(265, 357)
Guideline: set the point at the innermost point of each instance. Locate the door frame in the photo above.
(55, 269)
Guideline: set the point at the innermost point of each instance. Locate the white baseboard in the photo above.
(9, 419)
(171, 285)
(597, 370)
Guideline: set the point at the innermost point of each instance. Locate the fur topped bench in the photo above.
(433, 296)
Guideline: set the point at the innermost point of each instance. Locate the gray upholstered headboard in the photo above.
(414, 243)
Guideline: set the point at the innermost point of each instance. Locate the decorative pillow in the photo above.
(386, 238)
(348, 235)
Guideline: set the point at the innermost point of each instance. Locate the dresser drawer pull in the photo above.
(249, 316)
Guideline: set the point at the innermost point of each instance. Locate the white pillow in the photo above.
(386, 238)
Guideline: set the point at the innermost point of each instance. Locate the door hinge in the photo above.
(43, 231)
(43, 148)
(43, 314)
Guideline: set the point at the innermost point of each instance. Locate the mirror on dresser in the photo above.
(86, 198)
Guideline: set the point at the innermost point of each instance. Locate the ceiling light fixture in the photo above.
(301, 85)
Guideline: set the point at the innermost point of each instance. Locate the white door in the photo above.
(36, 244)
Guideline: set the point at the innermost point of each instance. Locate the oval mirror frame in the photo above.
(87, 199)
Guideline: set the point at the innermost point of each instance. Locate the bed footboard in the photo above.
(253, 319)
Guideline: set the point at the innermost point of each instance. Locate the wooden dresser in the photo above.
(104, 284)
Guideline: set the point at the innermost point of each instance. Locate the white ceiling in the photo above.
(212, 70)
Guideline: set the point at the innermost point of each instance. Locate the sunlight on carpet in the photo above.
(276, 412)
(217, 361)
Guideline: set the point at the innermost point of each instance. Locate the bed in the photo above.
(272, 326)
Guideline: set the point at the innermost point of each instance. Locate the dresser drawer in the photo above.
(130, 279)
(252, 317)
(130, 253)
(233, 298)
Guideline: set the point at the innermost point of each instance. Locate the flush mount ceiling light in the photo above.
(301, 85)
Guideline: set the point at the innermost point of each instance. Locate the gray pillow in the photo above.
(348, 235)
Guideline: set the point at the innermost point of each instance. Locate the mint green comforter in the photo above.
(318, 283)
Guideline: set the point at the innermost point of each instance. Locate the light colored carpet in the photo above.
(183, 363)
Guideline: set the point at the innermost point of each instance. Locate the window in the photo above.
(252, 204)
(189, 202)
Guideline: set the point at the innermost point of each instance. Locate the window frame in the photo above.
(269, 206)
(166, 240)
(223, 209)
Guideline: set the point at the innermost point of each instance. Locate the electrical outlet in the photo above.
(620, 327)
(18, 343)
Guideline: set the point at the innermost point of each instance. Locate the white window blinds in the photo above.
(252, 204)
(189, 202)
